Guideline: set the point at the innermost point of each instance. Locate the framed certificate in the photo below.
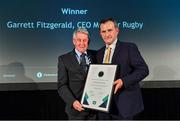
(99, 87)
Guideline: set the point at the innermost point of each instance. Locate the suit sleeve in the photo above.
(139, 69)
(63, 81)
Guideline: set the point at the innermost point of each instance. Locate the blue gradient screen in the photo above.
(33, 33)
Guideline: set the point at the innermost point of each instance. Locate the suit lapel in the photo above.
(89, 56)
(101, 55)
(75, 62)
(74, 59)
(116, 52)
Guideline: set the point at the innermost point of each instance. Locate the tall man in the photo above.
(72, 68)
(127, 99)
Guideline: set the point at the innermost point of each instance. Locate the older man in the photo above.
(72, 68)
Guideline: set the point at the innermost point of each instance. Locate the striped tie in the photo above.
(83, 62)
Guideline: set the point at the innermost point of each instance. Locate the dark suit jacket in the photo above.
(71, 79)
(132, 69)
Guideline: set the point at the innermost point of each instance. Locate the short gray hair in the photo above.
(82, 30)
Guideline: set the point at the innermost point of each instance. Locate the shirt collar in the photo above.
(79, 53)
(113, 44)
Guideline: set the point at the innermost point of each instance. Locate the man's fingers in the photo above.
(116, 82)
(78, 106)
(116, 88)
(80, 109)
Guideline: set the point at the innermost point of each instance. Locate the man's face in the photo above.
(80, 42)
(108, 32)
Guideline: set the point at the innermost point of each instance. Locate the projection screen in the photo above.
(33, 33)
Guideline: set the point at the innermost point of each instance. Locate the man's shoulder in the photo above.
(126, 43)
(66, 55)
(93, 52)
(130, 46)
(101, 49)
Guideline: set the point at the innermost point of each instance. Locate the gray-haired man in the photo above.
(72, 69)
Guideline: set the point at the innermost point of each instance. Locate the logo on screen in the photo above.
(39, 74)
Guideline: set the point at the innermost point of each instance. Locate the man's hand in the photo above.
(77, 106)
(118, 84)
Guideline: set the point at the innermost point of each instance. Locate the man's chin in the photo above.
(82, 50)
(108, 42)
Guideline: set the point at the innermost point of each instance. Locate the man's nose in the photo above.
(106, 34)
(81, 43)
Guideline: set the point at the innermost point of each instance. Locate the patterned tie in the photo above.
(108, 54)
(83, 62)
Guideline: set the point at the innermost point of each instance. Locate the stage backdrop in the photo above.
(33, 33)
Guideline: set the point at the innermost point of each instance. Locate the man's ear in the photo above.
(118, 30)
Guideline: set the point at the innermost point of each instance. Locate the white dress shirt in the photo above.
(112, 46)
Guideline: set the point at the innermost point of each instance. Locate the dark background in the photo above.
(160, 104)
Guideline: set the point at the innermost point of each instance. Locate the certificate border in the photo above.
(110, 95)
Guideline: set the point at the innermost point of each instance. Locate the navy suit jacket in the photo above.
(132, 69)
